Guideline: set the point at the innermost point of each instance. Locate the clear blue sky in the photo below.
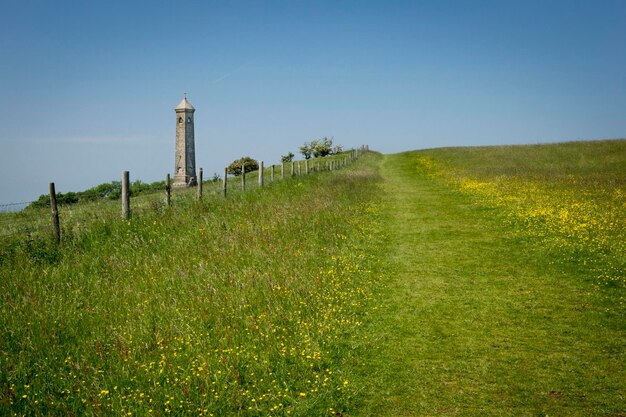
(88, 89)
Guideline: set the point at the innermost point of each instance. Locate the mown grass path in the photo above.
(476, 319)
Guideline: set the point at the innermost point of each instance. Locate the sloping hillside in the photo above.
(506, 283)
(460, 281)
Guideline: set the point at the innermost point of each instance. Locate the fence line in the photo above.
(16, 204)
(64, 217)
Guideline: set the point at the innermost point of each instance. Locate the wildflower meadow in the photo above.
(245, 305)
(575, 206)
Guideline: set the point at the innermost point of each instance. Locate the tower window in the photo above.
(189, 120)
(180, 120)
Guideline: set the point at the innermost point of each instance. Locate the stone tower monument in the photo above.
(185, 164)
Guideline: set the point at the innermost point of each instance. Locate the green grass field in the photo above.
(248, 305)
(497, 305)
(460, 281)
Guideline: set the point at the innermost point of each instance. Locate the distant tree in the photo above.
(111, 191)
(287, 158)
(66, 199)
(215, 177)
(306, 150)
(337, 149)
(114, 191)
(322, 147)
(42, 201)
(235, 167)
(138, 186)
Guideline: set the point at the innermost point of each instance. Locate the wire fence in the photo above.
(20, 220)
(10, 207)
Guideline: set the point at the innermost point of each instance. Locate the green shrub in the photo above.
(235, 167)
(287, 158)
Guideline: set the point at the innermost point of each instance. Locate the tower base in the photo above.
(182, 181)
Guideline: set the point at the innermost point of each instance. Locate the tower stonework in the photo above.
(185, 164)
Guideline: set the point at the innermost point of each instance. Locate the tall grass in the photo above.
(246, 305)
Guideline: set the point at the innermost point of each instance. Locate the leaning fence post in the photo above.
(261, 173)
(168, 190)
(225, 180)
(56, 227)
(125, 196)
(200, 184)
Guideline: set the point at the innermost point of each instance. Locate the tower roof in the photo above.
(184, 105)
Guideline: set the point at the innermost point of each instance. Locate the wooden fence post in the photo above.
(306, 167)
(243, 177)
(272, 173)
(292, 168)
(299, 168)
(56, 226)
(200, 184)
(261, 172)
(225, 180)
(125, 196)
(168, 191)
(282, 170)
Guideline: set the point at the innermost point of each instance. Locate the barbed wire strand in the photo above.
(16, 204)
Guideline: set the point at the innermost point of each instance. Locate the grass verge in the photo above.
(249, 305)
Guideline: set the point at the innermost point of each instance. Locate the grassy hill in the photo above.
(248, 305)
(459, 281)
(506, 284)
